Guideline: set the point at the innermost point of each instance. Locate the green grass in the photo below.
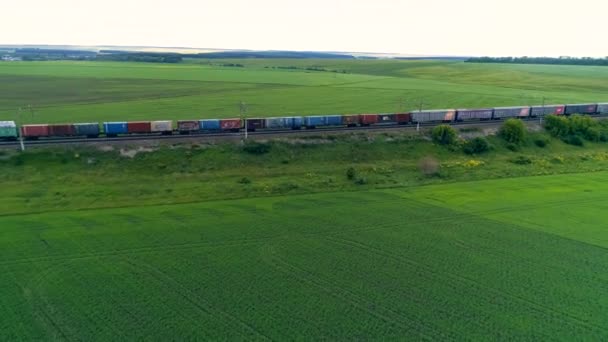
(104, 91)
(340, 266)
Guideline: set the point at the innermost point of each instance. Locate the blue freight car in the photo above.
(315, 121)
(334, 120)
(284, 123)
(90, 129)
(112, 129)
(210, 125)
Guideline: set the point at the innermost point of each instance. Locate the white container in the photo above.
(163, 126)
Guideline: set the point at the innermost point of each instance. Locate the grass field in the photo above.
(104, 91)
(392, 264)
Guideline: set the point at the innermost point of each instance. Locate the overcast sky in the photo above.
(446, 27)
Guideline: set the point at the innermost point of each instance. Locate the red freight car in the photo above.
(351, 120)
(34, 131)
(230, 124)
(188, 126)
(403, 118)
(61, 130)
(368, 119)
(139, 127)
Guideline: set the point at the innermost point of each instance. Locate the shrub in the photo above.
(256, 148)
(351, 173)
(245, 180)
(429, 166)
(476, 146)
(574, 139)
(522, 160)
(557, 126)
(513, 131)
(512, 147)
(444, 135)
(541, 142)
(592, 134)
(361, 181)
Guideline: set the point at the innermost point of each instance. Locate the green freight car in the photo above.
(8, 130)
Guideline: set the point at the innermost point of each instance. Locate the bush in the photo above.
(541, 142)
(444, 135)
(592, 134)
(429, 166)
(522, 160)
(351, 173)
(512, 147)
(245, 180)
(575, 140)
(476, 146)
(513, 131)
(257, 148)
(557, 126)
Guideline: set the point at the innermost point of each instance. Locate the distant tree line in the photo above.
(147, 57)
(541, 60)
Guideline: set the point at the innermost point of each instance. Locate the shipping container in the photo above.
(254, 124)
(139, 127)
(188, 126)
(351, 120)
(547, 110)
(587, 108)
(474, 114)
(315, 121)
(333, 120)
(34, 131)
(209, 124)
(511, 112)
(112, 129)
(602, 108)
(90, 129)
(8, 130)
(284, 123)
(161, 126)
(403, 118)
(61, 130)
(230, 124)
(368, 119)
(298, 122)
(387, 118)
(441, 115)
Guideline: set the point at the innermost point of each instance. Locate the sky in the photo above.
(426, 27)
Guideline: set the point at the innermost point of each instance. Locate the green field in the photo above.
(104, 91)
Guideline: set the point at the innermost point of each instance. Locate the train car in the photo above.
(61, 130)
(255, 124)
(369, 119)
(602, 108)
(139, 127)
(89, 129)
(474, 114)
(8, 130)
(34, 131)
(387, 118)
(284, 123)
(315, 121)
(351, 120)
(441, 115)
(209, 125)
(233, 125)
(188, 126)
(112, 129)
(587, 108)
(403, 118)
(511, 112)
(547, 110)
(164, 127)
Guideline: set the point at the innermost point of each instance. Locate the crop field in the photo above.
(39, 92)
(429, 262)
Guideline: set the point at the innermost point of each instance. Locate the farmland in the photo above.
(105, 91)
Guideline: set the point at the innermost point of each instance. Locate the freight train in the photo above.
(8, 129)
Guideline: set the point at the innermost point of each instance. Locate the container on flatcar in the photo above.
(511, 112)
(89, 129)
(161, 126)
(369, 119)
(333, 120)
(8, 130)
(112, 129)
(139, 127)
(188, 126)
(254, 124)
(284, 123)
(440, 115)
(230, 124)
(586, 108)
(351, 120)
(474, 114)
(602, 108)
(387, 118)
(35, 131)
(547, 110)
(403, 118)
(209, 124)
(315, 121)
(61, 130)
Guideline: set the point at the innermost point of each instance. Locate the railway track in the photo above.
(255, 134)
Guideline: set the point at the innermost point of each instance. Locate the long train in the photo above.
(9, 130)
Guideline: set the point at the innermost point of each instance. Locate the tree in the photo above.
(444, 135)
(513, 131)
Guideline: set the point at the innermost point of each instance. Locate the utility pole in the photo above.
(243, 114)
(420, 104)
(543, 111)
(19, 123)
